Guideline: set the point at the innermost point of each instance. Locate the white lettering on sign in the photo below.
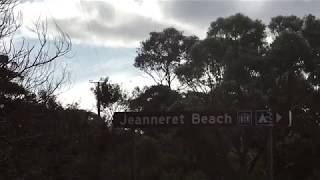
(153, 120)
(211, 119)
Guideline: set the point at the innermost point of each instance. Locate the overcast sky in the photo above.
(106, 33)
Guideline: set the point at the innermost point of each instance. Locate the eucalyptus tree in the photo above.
(294, 57)
(161, 54)
(292, 77)
(227, 61)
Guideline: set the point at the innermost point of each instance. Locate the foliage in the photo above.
(37, 62)
(231, 69)
(155, 98)
(108, 93)
(110, 97)
(9, 89)
(162, 53)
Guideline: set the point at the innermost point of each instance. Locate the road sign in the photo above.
(181, 119)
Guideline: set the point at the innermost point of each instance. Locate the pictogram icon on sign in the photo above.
(244, 118)
(264, 118)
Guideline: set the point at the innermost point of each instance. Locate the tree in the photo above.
(280, 24)
(239, 29)
(110, 97)
(36, 63)
(245, 40)
(307, 29)
(293, 57)
(162, 53)
(9, 89)
(25, 70)
(154, 98)
(227, 60)
(228, 64)
(293, 64)
(311, 33)
(203, 71)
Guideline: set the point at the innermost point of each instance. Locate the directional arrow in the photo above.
(278, 117)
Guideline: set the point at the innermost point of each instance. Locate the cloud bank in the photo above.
(126, 23)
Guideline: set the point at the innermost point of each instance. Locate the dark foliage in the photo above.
(232, 69)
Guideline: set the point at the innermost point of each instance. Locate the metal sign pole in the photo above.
(133, 161)
(270, 152)
(98, 99)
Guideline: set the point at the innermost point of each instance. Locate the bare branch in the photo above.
(36, 64)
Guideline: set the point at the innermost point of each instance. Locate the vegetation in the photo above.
(233, 68)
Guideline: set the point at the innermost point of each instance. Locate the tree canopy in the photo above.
(162, 53)
(233, 68)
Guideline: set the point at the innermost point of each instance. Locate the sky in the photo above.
(105, 34)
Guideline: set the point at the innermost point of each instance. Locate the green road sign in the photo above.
(181, 119)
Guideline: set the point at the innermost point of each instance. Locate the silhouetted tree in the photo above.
(280, 24)
(154, 98)
(36, 63)
(204, 70)
(227, 61)
(162, 53)
(111, 98)
(233, 68)
(9, 89)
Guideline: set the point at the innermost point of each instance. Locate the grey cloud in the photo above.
(103, 9)
(106, 25)
(77, 30)
(298, 8)
(198, 13)
(24, 1)
(202, 13)
(134, 30)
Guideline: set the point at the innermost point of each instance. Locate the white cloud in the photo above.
(81, 94)
(110, 23)
(124, 23)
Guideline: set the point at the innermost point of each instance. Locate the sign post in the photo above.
(134, 155)
(270, 152)
(257, 118)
